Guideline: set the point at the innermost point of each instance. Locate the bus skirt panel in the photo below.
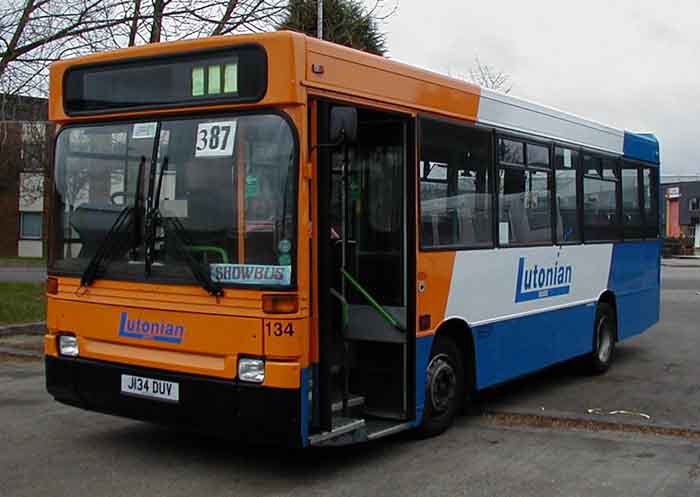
(250, 413)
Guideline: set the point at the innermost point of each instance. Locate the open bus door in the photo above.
(366, 265)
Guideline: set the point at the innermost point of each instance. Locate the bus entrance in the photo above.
(363, 269)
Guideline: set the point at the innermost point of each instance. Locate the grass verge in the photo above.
(22, 303)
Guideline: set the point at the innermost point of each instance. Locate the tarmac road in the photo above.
(51, 449)
(30, 274)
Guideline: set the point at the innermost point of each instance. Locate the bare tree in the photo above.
(37, 32)
(167, 20)
(489, 77)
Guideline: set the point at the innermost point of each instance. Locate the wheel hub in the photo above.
(442, 383)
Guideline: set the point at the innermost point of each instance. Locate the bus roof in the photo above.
(519, 115)
(370, 75)
(325, 66)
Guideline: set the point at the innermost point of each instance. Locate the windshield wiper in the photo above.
(155, 218)
(107, 248)
(182, 244)
(127, 216)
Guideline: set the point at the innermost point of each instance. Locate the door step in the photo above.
(353, 430)
(342, 427)
(378, 428)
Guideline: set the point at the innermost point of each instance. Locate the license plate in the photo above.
(168, 391)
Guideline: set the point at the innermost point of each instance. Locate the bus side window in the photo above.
(600, 184)
(524, 194)
(566, 202)
(455, 186)
(631, 205)
(650, 178)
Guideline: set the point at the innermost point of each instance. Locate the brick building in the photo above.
(682, 210)
(25, 143)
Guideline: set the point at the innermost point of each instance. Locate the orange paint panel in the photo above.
(285, 338)
(236, 302)
(205, 335)
(284, 49)
(435, 276)
(161, 359)
(365, 75)
(282, 374)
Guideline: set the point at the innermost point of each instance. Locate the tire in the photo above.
(604, 338)
(444, 388)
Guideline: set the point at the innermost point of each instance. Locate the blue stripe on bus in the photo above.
(641, 146)
(635, 281)
(423, 349)
(304, 408)
(508, 349)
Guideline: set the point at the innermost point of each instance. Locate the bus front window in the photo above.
(228, 183)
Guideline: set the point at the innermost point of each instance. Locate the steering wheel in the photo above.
(113, 198)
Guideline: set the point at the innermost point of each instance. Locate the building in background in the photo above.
(25, 142)
(682, 211)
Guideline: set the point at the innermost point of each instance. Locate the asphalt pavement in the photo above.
(23, 274)
(52, 449)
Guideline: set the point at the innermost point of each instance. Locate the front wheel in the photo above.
(603, 339)
(444, 388)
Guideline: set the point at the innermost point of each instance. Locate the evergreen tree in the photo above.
(346, 22)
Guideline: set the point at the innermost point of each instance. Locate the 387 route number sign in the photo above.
(215, 139)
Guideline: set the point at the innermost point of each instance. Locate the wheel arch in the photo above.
(459, 331)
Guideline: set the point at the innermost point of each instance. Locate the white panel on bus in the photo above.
(500, 284)
(504, 111)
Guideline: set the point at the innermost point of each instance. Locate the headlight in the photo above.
(251, 370)
(68, 345)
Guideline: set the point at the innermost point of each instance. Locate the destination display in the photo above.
(231, 74)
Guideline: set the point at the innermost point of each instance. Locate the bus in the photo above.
(288, 242)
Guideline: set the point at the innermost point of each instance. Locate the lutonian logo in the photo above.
(539, 282)
(150, 330)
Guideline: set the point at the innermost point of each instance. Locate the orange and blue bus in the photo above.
(291, 242)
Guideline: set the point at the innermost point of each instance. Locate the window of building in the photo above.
(31, 225)
(31, 192)
(600, 185)
(651, 202)
(524, 193)
(694, 204)
(455, 186)
(33, 151)
(631, 206)
(565, 164)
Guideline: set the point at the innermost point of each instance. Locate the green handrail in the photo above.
(210, 248)
(377, 306)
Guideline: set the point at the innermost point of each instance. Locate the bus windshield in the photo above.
(227, 183)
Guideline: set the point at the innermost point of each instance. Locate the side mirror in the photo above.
(343, 125)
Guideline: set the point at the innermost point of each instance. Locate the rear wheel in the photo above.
(605, 333)
(444, 388)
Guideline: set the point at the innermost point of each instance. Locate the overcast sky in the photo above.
(632, 64)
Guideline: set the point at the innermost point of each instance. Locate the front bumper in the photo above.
(250, 413)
